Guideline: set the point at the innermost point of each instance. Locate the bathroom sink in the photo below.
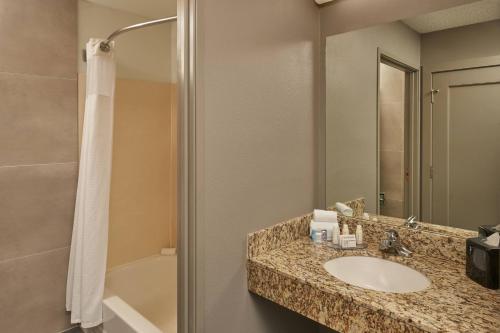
(377, 274)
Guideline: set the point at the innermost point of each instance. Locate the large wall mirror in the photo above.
(413, 116)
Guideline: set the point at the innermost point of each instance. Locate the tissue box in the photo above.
(482, 263)
(487, 230)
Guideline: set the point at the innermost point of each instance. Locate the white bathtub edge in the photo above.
(114, 307)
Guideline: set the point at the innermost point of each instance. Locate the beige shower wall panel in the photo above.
(143, 182)
(392, 104)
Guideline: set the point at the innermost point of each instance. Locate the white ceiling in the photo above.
(476, 12)
(146, 8)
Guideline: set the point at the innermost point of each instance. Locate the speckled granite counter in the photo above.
(291, 273)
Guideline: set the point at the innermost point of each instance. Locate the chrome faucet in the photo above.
(411, 223)
(392, 244)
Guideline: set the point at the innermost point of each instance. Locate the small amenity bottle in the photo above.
(345, 229)
(316, 237)
(359, 234)
(335, 234)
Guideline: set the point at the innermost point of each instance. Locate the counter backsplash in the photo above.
(431, 240)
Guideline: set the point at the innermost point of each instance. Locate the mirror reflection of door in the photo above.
(465, 147)
(394, 148)
(407, 151)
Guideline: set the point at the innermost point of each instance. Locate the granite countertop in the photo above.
(293, 276)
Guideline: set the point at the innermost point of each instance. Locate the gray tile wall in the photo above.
(38, 161)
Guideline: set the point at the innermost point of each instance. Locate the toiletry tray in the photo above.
(358, 247)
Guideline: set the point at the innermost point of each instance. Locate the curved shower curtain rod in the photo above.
(105, 44)
(105, 47)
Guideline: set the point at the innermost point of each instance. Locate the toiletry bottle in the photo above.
(316, 236)
(335, 234)
(345, 229)
(324, 236)
(359, 234)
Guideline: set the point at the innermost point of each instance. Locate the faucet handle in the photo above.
(392, 235)
(411, 222)
(392, 244)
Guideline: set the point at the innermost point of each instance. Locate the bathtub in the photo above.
(141, 297)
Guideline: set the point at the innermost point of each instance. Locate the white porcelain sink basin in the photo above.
(377, 274)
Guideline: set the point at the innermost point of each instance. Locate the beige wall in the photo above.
(468, 42)
(256, 103)
(38, 161)
(441, 47)
(143, 180)
(141, 203)
(146, 8)
(351, 106)
(348, 15)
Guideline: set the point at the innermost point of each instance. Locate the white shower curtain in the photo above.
(87, 263)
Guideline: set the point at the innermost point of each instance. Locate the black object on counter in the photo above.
(482, 263)
(487, 230)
